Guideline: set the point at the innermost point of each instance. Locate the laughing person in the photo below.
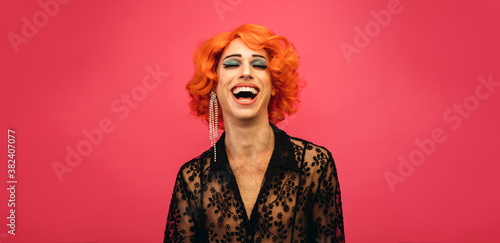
(256, 183)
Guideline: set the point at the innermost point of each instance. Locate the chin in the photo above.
(245, 116)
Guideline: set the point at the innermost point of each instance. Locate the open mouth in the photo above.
(245, 93)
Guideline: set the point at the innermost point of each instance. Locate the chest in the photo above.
(275, 207)
(249, 184)
(249, 181)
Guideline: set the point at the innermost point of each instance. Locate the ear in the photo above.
(273, 92)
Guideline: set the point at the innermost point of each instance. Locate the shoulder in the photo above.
(312, 157)
(300, 146)
(195, 166)
(309, 147)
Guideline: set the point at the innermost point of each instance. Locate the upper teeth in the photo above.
(244, 89)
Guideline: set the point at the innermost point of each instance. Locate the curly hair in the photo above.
(282, 67)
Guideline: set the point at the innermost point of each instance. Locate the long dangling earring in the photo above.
(213, 116)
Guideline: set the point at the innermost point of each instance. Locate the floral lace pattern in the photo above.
(299, 200)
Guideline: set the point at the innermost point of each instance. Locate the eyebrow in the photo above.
(239, 55)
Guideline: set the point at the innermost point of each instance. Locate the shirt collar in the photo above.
(283, 154)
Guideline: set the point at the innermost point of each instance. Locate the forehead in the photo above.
(237, 46)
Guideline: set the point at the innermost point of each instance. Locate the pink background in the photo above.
(406, 83)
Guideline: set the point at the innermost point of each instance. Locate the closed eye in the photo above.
(230, 63)
(261, 64)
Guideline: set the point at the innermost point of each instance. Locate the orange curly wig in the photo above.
(282, 66)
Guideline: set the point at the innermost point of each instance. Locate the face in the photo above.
(244, 88)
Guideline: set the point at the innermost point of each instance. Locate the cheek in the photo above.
(221, 88)
(266, 81)
(224, 78)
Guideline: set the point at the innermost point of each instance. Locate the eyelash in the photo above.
(229, 65)
(260, 66)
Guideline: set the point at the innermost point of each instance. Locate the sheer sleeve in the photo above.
(327, 215)
(183, 216)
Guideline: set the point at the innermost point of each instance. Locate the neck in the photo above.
(249, 142)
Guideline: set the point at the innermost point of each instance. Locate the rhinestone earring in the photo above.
(213, 115)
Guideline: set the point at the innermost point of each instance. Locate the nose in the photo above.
(246, 72)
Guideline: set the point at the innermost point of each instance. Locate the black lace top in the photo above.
(299, 200)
